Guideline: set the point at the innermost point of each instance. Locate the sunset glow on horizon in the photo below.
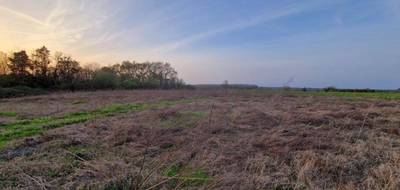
(317, 43)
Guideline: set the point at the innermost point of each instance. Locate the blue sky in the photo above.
(313, 43)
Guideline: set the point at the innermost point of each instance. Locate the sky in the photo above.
(301, 43)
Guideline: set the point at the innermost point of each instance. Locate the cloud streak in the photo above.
(22, 16)
(246, 40)
(267, 16)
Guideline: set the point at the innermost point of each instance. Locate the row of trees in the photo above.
(42, 70)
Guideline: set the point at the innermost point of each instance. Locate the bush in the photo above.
(105, 79)
(6, 81)
(151, 83)
(20, 91)
(129, 84)
(330, 89)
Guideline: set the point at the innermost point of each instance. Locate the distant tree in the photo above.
(41, 61)
(105, 78)
(127, 70)
(286, 88)
(129, 84)
(88, 71)
(169, 76)
(66, 70)
(19, 69)
(330, 89)
(20, 66)
(117, 69)
(3, 63)
(142, 72)
(163, 73)
(225, 84)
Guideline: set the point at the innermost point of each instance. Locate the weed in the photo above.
(173, 170)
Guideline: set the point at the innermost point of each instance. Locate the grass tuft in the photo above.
(186, 176)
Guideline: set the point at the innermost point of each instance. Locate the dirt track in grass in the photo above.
(207, 140)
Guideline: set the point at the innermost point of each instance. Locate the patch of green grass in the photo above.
(189, 177)
(173, 170)
(26, 128)
(183, 119)
(374, 95)
(199, 177)
(353, 95)
(53, 173)
(349, 95)
(78, 150)
(8, 114)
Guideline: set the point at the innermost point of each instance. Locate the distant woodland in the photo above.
(43, 70)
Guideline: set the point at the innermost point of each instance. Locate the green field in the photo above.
(374, 95)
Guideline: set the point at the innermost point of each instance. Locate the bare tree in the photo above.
(88, 71)
(67, 69)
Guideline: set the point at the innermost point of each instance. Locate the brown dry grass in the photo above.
(241, 140)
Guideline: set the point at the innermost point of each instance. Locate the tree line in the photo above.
(41, 70)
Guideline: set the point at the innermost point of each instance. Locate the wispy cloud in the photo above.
(22, 16)
(64, 27)
(268, 36)
(267, 16)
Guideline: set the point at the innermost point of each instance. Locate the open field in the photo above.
(200, 139)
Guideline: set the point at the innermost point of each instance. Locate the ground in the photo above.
(200, 139)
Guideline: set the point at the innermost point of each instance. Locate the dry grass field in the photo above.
(199, 139)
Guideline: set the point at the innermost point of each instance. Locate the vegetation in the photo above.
(63, 72)
(244, 139)
(8, 114)
(334, 89)
(20, 91)
(362, 95)
(26, 128)
(352, 95)
(188, 177)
